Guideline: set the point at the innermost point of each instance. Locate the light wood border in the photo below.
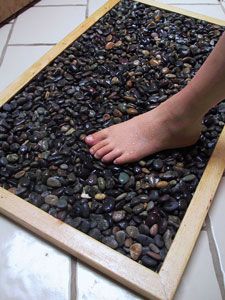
(158, 286)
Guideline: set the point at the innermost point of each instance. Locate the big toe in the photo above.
(95, 138)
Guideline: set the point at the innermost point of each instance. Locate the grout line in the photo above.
(73, 282)
(222, 7)
(34, 44)
(59, 5)
(2, 56)
(87, 10)
(215, 258)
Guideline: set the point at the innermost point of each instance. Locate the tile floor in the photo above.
(31, 268)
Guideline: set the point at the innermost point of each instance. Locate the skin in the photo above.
(174, 123)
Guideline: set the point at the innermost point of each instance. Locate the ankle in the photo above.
(180, 109)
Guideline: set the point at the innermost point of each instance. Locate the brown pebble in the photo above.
(135, 251)
(145, 171)
(19, 174)
(129, 83)
(109, 38)
(117, 113)
(162, 184)
(115, 80)
(154, 62)
(109, 45)
(132, 111)
(165, 70)
(106, 117)
(130, 98)
(154, 255)
(118, 43)
(115, 229)
(82, 137)
(145, 52)
(128, 242)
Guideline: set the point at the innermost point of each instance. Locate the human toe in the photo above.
(103, 151)
(111, 156)
(95, 138)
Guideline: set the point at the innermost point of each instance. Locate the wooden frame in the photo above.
(162, 285)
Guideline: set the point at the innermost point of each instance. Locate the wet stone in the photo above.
(135, 251)
(110, 242)
(95, 233)
(53, 182)
(51, 200)
(123, 178)
(132, 231)
(120, 237)
(118, 216)
(12, 158)
(148, 261)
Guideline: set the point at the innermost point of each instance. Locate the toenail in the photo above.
(89, 138)
(91, 151)
(96, 156)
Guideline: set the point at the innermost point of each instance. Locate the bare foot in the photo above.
(145, 134)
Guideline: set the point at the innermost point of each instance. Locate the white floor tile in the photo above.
(94, 286)
(216, 215)
(214, 11)
(189, 1)
(46, 24)
(4, 32)
(30, 268)
(199, 280)
(61, 2)
(94, 5)
(17, 59)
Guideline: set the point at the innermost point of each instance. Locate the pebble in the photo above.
(148, 261)
(154, 248)
(100, 196)
(154, 255)
(118, 216)
(12, 158)
(101, 183)
(95, 233)
(162, 184)
(157, 164)
(144, 239)
(51, 199)
(154, 230)
(167, 237)
(135, 251)
(189, 178)
(120, 237)
(110, 242)
(109, 45)
(123, 178)
(132, 231)
(53, 182)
